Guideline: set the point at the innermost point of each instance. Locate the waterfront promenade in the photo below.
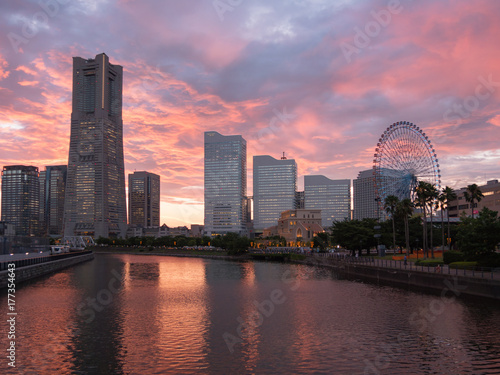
(483, 273)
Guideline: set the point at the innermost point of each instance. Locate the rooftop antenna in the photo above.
(283, 157)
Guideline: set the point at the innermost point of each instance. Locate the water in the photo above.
(135, 314)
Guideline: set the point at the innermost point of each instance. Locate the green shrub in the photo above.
(297, 257)
(429, 262)
(463, 265)
(490, 260)
(453, 256)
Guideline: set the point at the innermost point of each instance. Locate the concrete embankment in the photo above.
(32, 272)
(412, 279)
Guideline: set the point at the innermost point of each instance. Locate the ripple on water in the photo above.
(172, 314)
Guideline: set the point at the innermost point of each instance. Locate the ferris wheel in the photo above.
(404, 156)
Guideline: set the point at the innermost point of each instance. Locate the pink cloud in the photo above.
(186, 72)
(4, 73)
(28, 83)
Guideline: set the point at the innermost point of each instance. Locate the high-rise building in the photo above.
(52, 191)
(365, 205)
(225, 184)
(95, 201)
(332, 197)
(299, 200)
(274, 187)
(366, 202)
(21, 199)
(144, 199)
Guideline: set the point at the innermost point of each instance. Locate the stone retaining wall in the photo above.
(413, 280)
(37, 270)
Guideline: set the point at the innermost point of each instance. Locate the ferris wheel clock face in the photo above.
(404, 156)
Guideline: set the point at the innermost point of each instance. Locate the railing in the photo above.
(479, 272)
(37, 260)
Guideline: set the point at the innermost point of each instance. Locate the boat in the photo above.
(59, 249)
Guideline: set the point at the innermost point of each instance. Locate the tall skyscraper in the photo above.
(144, 199)
(365, 200)
(225, 184)
(21, 199)
(95, 202)
(365, 205)
(332, 197)
(52, 191)
(274, 187)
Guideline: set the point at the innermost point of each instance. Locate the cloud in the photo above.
(4, 73)
(186, 72)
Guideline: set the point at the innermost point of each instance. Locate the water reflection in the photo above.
(98, 346)
(40, 326)
(165, 314)
(128, 314)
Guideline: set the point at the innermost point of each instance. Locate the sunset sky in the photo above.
(319, 81)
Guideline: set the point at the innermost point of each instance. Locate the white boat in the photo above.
(59, 249)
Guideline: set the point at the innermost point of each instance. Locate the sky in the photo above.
(320, 80)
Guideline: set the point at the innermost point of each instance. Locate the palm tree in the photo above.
(423, 198)
(449, 196)
(432, 194)
(404, 209)
(471, 194)
(441, 204)
(390, 204)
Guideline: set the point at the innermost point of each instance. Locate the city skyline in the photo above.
(321, 83)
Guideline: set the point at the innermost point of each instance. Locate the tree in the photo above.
(404, 210)
(441, 204)
(433, 194)
(390, 204)
(478, 237)
(354, 234)
(233, 243)
(321, 241)
(471, 194)
(422, 191)
(449, 195)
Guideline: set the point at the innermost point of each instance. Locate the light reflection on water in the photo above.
(132, 314)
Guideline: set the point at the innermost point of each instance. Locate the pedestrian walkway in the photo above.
(484, 273)
(19, 256)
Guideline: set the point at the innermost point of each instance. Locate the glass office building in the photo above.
(365, 195)
(95, 203)
(332, 197)
(274, 187)
(225, 184)
(144, 199)
(365, 205)
(21, 199)
(52, 191)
